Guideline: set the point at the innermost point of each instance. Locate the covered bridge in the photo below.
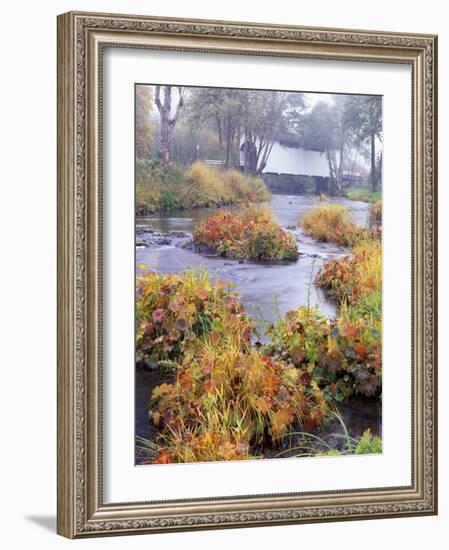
(291, 168)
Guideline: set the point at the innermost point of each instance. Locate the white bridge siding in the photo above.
(296, 161)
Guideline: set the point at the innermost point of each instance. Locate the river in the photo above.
(268, 290)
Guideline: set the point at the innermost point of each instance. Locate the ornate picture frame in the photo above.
(82, 38)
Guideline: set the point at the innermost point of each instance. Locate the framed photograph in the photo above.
(246, 274)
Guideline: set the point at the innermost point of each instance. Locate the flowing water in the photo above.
(268, 290)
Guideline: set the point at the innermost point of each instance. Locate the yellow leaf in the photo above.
(161, 390)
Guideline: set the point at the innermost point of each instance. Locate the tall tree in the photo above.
(327, 129)
(366, 121)
(224, 108)
(144, 128)
(267, 114)
(245, 121)
(168, 118)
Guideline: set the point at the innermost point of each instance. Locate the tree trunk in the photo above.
(262, 162)
(220, 137)
(245, 150)
(339, 178)
(330, 155)
(250, 153)
(228, 141)
(167, 122)
(237, 148)
(373, 162)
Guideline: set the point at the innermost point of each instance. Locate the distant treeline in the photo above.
(239, 127)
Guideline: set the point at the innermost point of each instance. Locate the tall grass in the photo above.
(337, 443)
(364, 194)
(356, 277)
(333, 223)
(321, 222)
(376, 212)
(173, 187)
(298, 444)
(230, 402)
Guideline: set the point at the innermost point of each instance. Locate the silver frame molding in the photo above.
(81, 39)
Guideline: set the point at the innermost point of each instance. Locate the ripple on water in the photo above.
(290, 285)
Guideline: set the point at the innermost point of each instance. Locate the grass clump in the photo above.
(364, 194)
(160, 188)
(376, 213)
(367, 444)
(230, 402)
(250, 233)
(332, 223)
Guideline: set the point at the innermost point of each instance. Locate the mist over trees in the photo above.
(365, 116)
(238, 128)
(244, 120)
(144, 127)
(346, 128)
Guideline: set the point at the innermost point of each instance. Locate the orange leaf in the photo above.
(209, 385)
(163, 457)
(360, 349)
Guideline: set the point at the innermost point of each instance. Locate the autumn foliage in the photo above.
(376, 212)
(332, 223)
(344, 358)
(343, 355)
(230, 402)
(352, 278)
(250, 233)
(226, 400)
(356, 282)
(173, 187)
(174, 311)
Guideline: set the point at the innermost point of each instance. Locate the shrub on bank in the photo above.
(352, 361)
(343, 358)
(174, 312)
(160, 188)
(343, 355)
(376, 213)
(332, 223)
(156, 186)
(356, 280)
(251, 233)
